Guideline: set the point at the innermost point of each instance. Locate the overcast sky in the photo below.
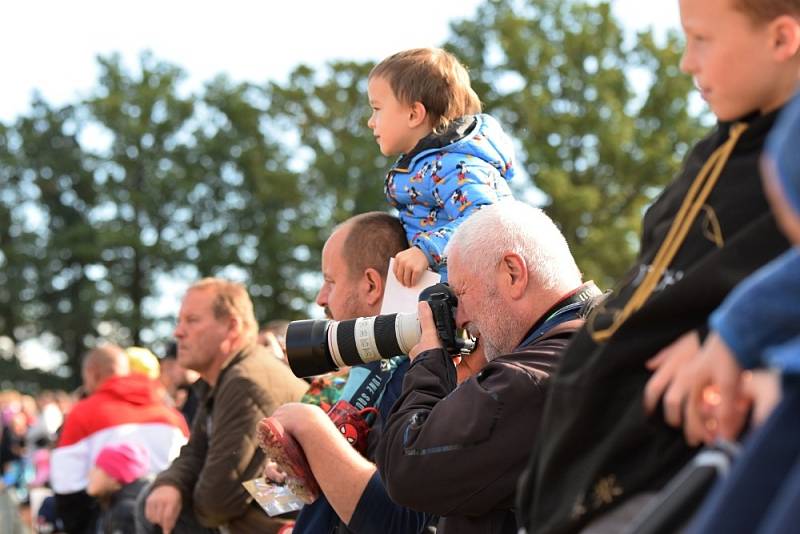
(51, 45)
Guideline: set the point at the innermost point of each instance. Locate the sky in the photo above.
(51, 45)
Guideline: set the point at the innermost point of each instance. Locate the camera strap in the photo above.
(569, 308)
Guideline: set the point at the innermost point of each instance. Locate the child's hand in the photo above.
(409, 266)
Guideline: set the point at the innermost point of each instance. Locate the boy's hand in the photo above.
(409, 266)
(717, 367)
(668, 380)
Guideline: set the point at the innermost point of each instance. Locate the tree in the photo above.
(262, 197)
(18, 240)
(55, 188)
(338, 167)
(557, 73)
(104, 199)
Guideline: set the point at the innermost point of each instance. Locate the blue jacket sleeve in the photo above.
(762, 312)
(785, 357)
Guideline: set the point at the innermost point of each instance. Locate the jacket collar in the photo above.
(458, 130)
(204, 390)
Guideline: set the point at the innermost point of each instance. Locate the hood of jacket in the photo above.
(480, 136)
(134, 388)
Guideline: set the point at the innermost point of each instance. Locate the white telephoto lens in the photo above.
(407, 330)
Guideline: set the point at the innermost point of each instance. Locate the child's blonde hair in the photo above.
(765, 10)
(433, 77)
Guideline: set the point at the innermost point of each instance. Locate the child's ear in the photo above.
(786, 37)
(417, 115)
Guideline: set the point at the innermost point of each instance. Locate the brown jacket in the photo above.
(223, 451)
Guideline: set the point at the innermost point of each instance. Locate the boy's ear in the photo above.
(786, 37)
(417, 115)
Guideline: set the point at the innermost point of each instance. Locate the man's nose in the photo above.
(322, 297)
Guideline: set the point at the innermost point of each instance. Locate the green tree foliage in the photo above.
(143, 180)
(342, 168)
(558, 74)
(260, 200)
(54, 195)
(104, 199)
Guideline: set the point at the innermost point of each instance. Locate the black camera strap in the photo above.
(569, 308)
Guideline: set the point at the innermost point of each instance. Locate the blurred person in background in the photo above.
(120, 406)
(240, 383)
(178, 381)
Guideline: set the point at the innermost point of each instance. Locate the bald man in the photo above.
(120, 407)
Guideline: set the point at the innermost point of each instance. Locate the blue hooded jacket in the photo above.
(760, 319)
(448, 176)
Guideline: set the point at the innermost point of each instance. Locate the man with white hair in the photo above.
(457, 451)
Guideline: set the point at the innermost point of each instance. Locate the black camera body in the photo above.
(315, 347)
(443, 303)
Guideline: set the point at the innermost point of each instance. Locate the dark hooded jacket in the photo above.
(597, 445)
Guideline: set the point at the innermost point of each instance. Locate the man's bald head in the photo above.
(101, 363)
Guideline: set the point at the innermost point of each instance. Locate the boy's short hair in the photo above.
(433, 77)
(766, 10)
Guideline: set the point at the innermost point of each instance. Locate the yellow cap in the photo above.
(143, 361)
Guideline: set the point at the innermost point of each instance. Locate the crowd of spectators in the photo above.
(576, 409)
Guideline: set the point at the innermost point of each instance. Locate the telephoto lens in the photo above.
(315, 347)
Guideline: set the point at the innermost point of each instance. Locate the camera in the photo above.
(315, 347)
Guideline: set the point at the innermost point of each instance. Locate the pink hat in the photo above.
(124, 462)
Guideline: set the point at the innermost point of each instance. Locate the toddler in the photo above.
(118, 475)
(451, 158)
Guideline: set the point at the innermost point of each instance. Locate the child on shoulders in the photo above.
(452, 159)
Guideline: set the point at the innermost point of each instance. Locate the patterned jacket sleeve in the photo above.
(466, 184)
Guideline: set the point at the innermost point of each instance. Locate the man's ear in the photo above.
(786, 37)
(417, 115)
(513, 274)
(373, 286)
(235, 328)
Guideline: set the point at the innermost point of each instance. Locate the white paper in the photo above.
(398, 298)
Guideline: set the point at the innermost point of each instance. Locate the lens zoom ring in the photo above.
(385, 336)
(346, 339)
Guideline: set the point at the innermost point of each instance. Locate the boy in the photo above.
(707, 231)
(453, 159)
(759, 325)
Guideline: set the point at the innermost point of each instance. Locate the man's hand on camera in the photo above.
(429, 339)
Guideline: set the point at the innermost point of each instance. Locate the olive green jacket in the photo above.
(223, 450)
